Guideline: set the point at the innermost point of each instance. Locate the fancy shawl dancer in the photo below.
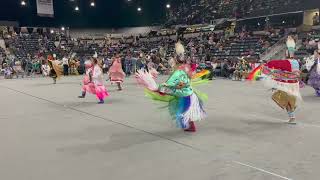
(185, 104)
(94, 82)
(87, 83)
(282, 76)
(314, 73)
(56, 70)
(116, 73)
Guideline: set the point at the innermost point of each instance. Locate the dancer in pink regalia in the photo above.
(116, 73)
(93, 81)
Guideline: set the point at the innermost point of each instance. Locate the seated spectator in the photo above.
(242, 70)
(17, 69)
(217, 70)
(45, 68)
(8, 71)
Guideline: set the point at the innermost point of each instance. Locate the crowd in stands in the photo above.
(203, 11)
(30, 50)
(310, 42)
(220, 52)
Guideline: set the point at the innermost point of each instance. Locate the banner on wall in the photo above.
(45, 8)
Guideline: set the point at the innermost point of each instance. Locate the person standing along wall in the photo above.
(65, 63)
(127, 63)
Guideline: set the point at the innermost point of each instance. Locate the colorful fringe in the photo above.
(200, 74)
(254, 75)
(101, 92)
(186, 109)
(157, 96)
(182, 109)
(146, 80)
(178, 108)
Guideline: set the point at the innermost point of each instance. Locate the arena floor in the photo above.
(47, 133)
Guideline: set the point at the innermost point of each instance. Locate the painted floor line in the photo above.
(262, 170)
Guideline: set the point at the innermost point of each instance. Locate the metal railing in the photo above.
(274, 49)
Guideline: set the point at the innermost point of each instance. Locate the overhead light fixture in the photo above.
(76, 8)
(23, 3)
(139, 9)
(92, 4)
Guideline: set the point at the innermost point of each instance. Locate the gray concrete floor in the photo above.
(47, 133)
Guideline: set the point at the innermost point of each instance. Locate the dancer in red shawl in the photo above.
(283, 77)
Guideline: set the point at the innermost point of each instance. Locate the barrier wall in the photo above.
(95, 33)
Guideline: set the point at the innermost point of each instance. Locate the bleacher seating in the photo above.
(193, 12)
(309, 44)
(206, 44)
(25, 44)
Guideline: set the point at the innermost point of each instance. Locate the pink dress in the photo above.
(98, 81)
(116, 73)
(87, 85)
